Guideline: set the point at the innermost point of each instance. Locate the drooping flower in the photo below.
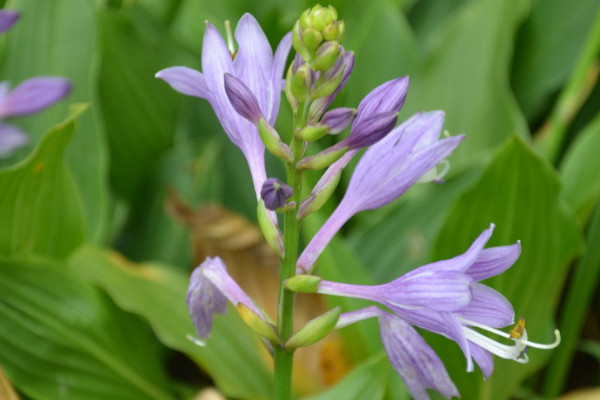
(383, 174)
(210, 288)
(255, 66)
(29, 97)
(8, 19)
(445, 297)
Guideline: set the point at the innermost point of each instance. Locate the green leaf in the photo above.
(547, 48)
(140, 112)
(579, 171)
(366, 382)
(232, 356)
(58, 38)
(465, 73)
(520, 193)
(61, 338)
(40, 207)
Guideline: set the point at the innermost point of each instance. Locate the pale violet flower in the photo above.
(29, 97)
(255, 66)
(386, 170)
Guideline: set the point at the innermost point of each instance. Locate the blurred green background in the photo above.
(94, 265)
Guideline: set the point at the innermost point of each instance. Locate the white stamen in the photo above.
(195, 340)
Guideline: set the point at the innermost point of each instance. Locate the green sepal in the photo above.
(314, 330)
(312, 133)
(258, 325)
(303, 283)
(321, 160)
(269, 230)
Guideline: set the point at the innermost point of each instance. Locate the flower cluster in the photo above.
(29, 97)
(445, 297)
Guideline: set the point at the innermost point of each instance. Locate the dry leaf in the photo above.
(6, 390)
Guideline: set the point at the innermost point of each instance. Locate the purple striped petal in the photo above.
(494, 261)
(242, 99)
(185, 80)
(483, 358)
(11, 138)
(8, 19)
(203, 300)
(34, 95)
(488, 307)
(417, 364)
(276, 83)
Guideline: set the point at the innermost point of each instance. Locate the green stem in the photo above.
(291, 233)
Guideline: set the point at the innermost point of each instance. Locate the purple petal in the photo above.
(203, 300)
(185, 80)
(370, 130)
(276, 81)
(34, 95)
(11, 138)
(242, 99)
(8, 19)
(275, 193)
(387, 97)
(483, 358)
(338, 119)
(417, 364)
(488, 307)
(494, 261)
(254, 60)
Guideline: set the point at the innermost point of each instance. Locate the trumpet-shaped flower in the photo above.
(210, 288)
(255, 66)
(446, 297)
(384, 173)
(29, 97)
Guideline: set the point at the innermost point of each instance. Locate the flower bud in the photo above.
(311, 39)
(326, 56)
(315, 329)
(242, 99)
(312, 133)
(275, 193)
(338, 119)
(318, 197)
(257, 324)
(334, 31)
(268, 228)
(273, 142)
(303, 283)
(315, 25)
(322, 160)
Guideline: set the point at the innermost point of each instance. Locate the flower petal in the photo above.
(276, 81)
(185, 80)
(488, 307)
(494, 261)
(8, 19)
(11, 138)
(34, 95)
(417, 364)
(483, 358)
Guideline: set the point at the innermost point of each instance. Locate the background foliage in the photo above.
(102, 214)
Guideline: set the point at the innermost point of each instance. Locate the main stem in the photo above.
(291, 232)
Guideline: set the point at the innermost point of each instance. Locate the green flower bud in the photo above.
(257, 324)
(288, 91)
(315, 329)
(301, 83)
(321, 160)
(311, 38)
(303, 283)
(312, 133)
(298, 42)
(334, 31)
(273, 142)
(316, 200)
(326, 56)
(269, 230)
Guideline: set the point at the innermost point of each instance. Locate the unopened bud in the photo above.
(312, 133)
(303, 283)
(268, 228)
(257, 324)
(315, 329)
(321, 160)
(338, 119)
(273, 142)
(334, 31)
(326, 56)
(242, 99)
(311, 39)
(275, 193)
(317, 198)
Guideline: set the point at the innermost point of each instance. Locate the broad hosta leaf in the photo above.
(547, 49)
(232, 356)
(465, 73)
(40, 207)
(520, 193)
(579, 170)
(139, 111)
(61, 338)
(366, 382)
(58, 38)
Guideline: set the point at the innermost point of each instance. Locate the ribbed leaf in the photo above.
(520, 193)
(232, 356)
(61, 338)
(40, 207)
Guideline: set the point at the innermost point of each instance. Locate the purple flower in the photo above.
(210, 288)
(383, 174)
(29, 97)
(255, 67)
(446, 297)
(275, 193)
(8, 19)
